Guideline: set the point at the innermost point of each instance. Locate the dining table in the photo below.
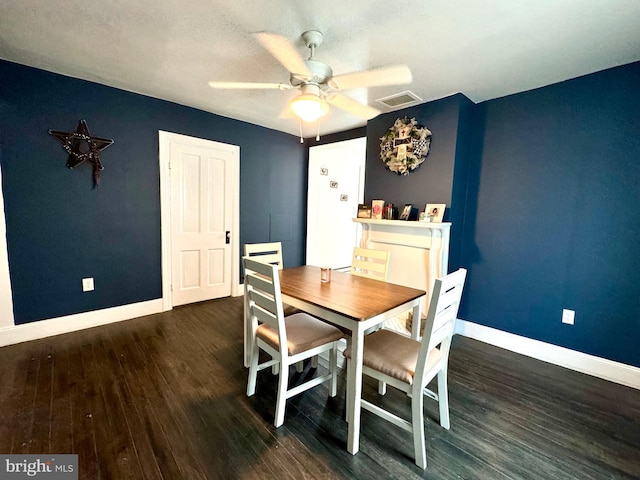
(357, 304)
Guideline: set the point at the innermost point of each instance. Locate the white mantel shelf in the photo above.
(405, 223)
(419, 250)
(409, 233)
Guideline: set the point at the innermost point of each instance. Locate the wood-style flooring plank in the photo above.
(134, 415)
(83, 399)
(61, 409)
(25, 401)
(41, 424)
(11, 375)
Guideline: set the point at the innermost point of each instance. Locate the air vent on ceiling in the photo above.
(401, 99)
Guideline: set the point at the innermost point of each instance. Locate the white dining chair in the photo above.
(287, 340)
(271, 253)
(409, 365)
(370, 263)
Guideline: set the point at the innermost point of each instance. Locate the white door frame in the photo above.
(6, 297)
(165, 140)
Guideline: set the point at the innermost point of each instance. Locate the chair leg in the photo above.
(333, 369)
(281, 401)
(382, 387)
(253, 371)
(443, 398)
(299, 366)
(417, 421)
(314, 361)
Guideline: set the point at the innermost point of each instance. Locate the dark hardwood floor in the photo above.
(163, 396)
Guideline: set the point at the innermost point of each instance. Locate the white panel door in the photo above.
(201, 215)
(335, 187)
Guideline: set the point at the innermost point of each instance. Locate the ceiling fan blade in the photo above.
(249, 85)
(284, 52)
(352, 106)
(375, 77)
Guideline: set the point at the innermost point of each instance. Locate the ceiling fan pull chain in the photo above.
(318, 134)
(301, 139)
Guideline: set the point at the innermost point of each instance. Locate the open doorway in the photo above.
(335, 187)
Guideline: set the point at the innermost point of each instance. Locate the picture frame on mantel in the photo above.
(364, 210)
(406, 212)
(409, 212)
(435, 211)
(376, 209)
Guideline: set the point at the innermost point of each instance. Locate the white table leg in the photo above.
(354, 389)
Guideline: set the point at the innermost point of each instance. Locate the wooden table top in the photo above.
(356, 297)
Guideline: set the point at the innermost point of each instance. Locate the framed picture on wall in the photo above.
(435, 211)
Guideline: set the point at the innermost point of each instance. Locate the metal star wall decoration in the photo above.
(82, 147)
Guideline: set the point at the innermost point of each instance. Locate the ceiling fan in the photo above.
(315, 80)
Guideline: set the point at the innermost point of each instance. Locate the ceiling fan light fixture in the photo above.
(309, 107)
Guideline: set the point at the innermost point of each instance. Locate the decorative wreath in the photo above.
(405, 145)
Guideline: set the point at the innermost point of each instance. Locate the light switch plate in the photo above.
(87, 284)
(568, 316)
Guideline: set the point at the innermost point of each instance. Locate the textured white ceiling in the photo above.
(170, 49)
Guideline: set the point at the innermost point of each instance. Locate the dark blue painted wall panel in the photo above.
(556, 214)
(432, 181)
(60, 229)
(442, 177)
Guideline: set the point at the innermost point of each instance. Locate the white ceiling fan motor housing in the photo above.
(321, 72)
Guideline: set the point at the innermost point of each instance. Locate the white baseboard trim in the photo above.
(78, 321)
(564, 357)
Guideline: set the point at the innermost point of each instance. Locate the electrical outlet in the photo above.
(87, 284)
(568, 316)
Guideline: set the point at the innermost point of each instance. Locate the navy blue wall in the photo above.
(544, 189)
(554, 214)
(60, 229)
(442, 177)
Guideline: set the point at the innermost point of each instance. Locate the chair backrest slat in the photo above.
(441, 318)
(263, 297)
(265, 252)
(371, 263)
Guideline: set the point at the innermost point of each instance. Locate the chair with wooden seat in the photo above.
(409, 365)
(367, 262)
(287, 340)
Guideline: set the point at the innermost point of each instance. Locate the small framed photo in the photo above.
(435, 211)
(406, 212)
(376, 209)
(364, 210)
